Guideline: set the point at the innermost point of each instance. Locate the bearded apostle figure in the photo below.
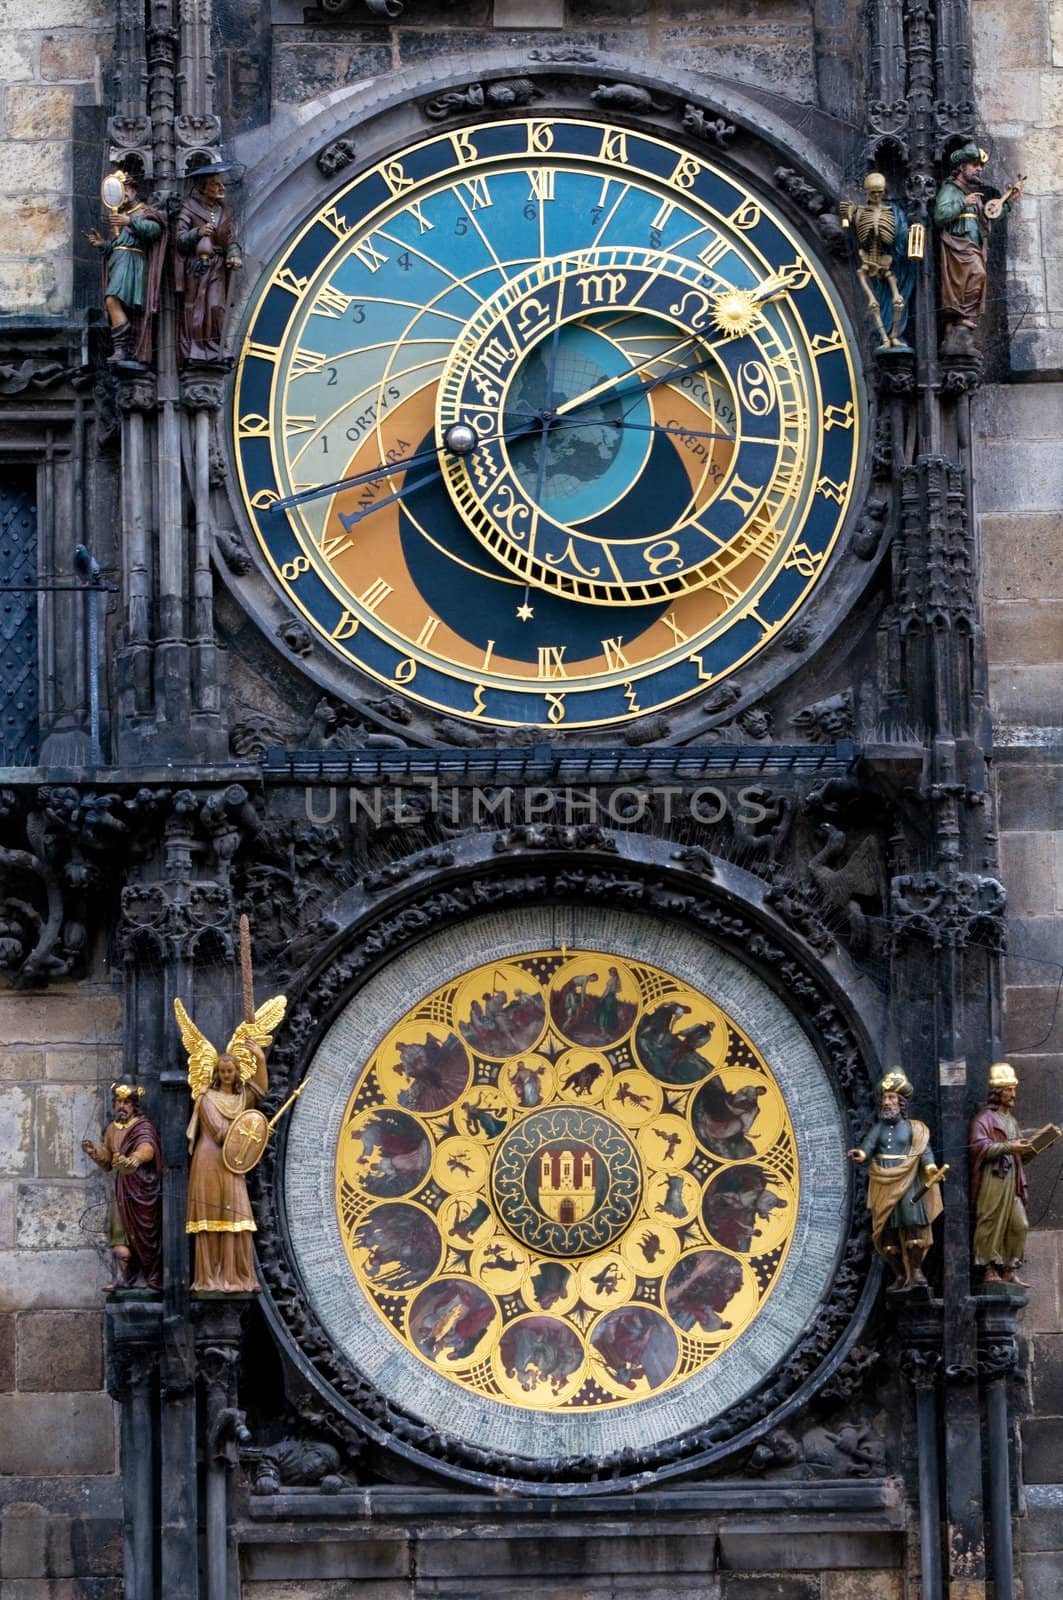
(902, 1183)
(223, 1086)
(131, 1150)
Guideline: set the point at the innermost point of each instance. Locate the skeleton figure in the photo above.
(886, 275)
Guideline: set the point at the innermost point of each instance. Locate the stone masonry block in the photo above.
(33, 285)
(59, 1351)
(529, 13)
(83, 1066)
(1011, 37)
(26, 168)
(1046, 1368)
(16, 57)
(53, 13)
(1020, 474)
(757, 1586)
(1042, 1449)
(7, 1352)
(1030, 794)
(1028, 872)
(32, 1280)
(61, 1435)
(1040, 1576)
(863, 1586)
(21, 1066)
(70, 1017)
(69, 57)
(59, 1216)
(340, 1589)
(8, 1193)
(16, 1130)
(753, 1547)
(37, 113)
(33, 1542)
(65, 1115)
(1030, 695)
(1021, 557)
(1032, 1020)
(1044, 1258)
(34, 223)
(1019, 411)
(1024, 631)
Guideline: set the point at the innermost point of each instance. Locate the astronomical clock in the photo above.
(546, 422)
(549, 423)
(560, 1191)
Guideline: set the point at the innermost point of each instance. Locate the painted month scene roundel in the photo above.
(563, 1181)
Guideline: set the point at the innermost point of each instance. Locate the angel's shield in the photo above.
(245, 1141)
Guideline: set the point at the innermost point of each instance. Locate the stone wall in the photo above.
(57, 1423)
(1019, 74)
(1020, 476)
(1019, 84)
(53, 56)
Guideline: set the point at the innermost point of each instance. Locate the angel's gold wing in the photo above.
(202, 1056)
(267, 1019)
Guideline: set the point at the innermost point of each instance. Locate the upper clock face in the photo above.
(600, 409)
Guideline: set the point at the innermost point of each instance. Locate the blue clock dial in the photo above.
(599, 407)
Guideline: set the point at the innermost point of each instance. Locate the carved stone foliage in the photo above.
(60, 849)
(948, 912)
(288, 883)
(341, 1389)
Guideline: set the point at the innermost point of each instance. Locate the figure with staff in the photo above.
(225, 1090)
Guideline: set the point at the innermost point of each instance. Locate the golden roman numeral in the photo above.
(665, 210)
(369, 255)
(541, 180)
(551, 662)
(331, 302)
(375, 595)
(614, 655)
(678, 636)
(296, 425)
(743, 494)
(423, 224)
(262, 352)
(304, 361)
(477, 193)
(335, 546)
(714, 253)
(424, 638)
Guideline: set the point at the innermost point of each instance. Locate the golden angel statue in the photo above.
(223, 1088)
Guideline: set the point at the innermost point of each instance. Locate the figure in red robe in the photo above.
(131, 1150)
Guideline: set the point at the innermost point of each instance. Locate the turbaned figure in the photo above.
(903, 1193)
(223, 1086)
